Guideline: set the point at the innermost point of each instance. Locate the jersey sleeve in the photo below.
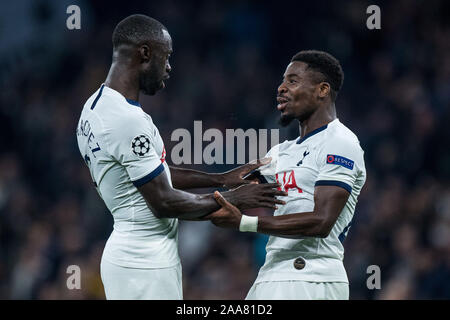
(338, 161)
(131, 142)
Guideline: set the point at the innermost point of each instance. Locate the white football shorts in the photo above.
(123, 283)
(298, 290)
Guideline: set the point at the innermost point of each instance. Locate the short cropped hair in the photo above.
(325, 64)
(137, 29)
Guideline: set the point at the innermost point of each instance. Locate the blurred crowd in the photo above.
(229, 58)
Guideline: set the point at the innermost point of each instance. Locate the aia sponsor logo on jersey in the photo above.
(288, 182)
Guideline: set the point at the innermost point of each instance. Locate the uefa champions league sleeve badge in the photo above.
(141, 145)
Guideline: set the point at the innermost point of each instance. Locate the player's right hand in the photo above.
(228, 216)
(243, 174)
(255, 196)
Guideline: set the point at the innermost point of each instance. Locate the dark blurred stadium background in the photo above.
(229, 57)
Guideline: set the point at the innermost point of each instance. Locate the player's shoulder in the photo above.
(111, 102)
(339, 138)
(339, 133)
(340, 145)
(280, 146)
(117, 113)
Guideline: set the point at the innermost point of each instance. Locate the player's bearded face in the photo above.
(295, 105)
(151, 79)
(296, 94)
(299, 109)
(286, 119)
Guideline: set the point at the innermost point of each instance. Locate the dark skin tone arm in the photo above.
(188, 179)
(328, 204)
(167, 202)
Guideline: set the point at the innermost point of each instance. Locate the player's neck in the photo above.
(124, 81)
(318, 119)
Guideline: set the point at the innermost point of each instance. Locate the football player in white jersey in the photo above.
(323, 172)
(126, 157)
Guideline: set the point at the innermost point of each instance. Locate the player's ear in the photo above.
(324, 90)
(144, 52)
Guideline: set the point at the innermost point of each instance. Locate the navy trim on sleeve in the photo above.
(334, 183)
(98, 97)
(152, 175)
(134, 102)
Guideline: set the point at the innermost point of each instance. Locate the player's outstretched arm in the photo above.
(167, 202)
(328, 204)
(188, 179)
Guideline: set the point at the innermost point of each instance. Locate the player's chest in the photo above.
(297, 169)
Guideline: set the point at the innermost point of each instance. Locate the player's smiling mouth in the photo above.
(282, 103)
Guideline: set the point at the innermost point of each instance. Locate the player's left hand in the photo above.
(236, 177)
(226, 217)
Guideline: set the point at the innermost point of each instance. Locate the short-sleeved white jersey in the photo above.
(330, 155)
(124, 150)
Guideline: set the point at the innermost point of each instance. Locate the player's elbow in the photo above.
(322, 234)
(324, 229)
(162, 210)
(160, 202)
(321, 229)
(158, 213)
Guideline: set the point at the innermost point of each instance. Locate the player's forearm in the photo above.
(297, 225)
(188, 179)
(184, 205)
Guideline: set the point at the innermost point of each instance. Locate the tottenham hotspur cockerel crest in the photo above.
(141, 145)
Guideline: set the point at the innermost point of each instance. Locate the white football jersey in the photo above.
(330, 155)
(123, 150)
